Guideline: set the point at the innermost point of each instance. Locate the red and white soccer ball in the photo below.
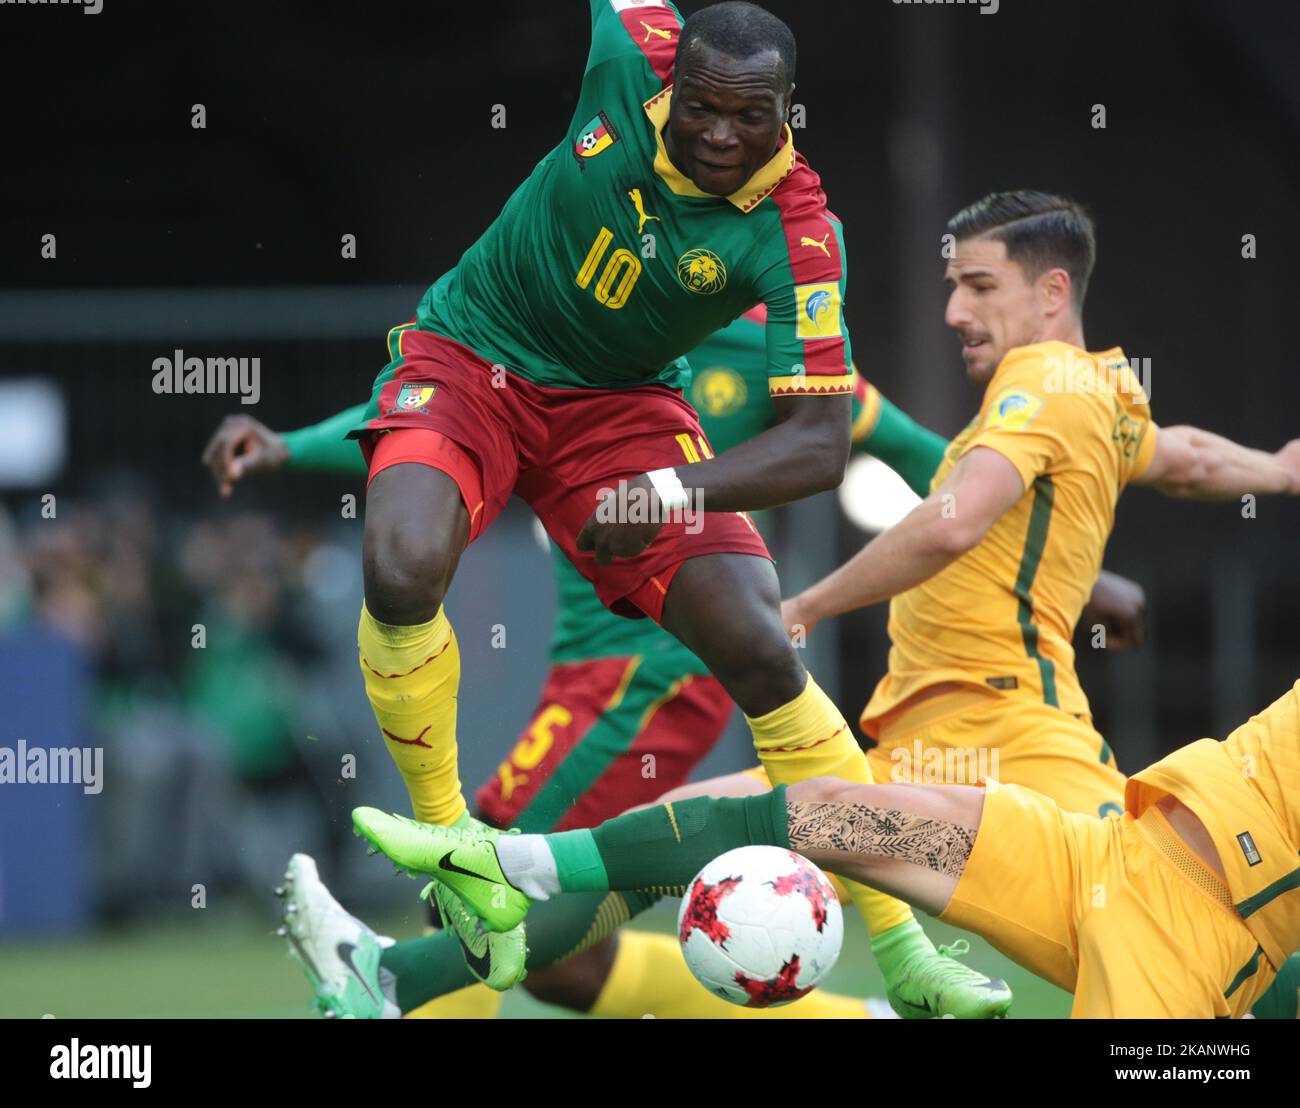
(760, 926)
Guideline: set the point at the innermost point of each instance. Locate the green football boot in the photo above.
(922, 982)
(464, 860)
(338, 953)
(497, 959)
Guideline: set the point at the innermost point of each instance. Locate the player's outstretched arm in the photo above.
(914, 452)
(944, 526)
(241, 446)
(1198, 464)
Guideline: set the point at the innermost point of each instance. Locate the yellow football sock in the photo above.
(649, 978)
(474, 1002)
(808, 737)
(412, 674)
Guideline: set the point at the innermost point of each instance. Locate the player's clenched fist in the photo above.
(625, 522)
(240, 446)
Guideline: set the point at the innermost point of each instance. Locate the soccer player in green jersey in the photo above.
(617, 690)
(547, 362)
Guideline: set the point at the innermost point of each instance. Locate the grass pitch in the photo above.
(231, 965)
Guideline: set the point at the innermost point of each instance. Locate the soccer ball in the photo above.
(760, 926)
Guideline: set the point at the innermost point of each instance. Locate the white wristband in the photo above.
(672, 493)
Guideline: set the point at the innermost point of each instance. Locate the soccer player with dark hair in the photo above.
(989, 574)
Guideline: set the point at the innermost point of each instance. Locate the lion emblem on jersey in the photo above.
(718, 391)
(702, 271)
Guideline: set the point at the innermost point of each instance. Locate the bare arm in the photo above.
(1190, 462)
(953, 519)
(805, 453)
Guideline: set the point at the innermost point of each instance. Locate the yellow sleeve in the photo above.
(1145, 452)
(1025, 423)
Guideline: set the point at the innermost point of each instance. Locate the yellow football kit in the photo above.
(981, 654)
(1121, 912)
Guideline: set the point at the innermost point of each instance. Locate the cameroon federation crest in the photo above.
(702, 271)
(597, 136)
(413, 398)
(718, 391)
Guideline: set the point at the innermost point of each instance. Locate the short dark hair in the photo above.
(739, 30)
(1041, 231)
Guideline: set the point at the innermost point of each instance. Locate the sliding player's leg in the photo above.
(577, 959)
(911, 841)
(726, 608)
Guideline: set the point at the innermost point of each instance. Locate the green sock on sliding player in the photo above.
(432, 966)
(661, 847)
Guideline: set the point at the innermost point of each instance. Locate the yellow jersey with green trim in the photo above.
(1077, 427)
(1246, 791)
(607, 265)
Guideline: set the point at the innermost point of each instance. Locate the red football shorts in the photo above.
(607, 735)
(495, 434)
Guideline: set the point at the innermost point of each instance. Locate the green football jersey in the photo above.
(607, 265)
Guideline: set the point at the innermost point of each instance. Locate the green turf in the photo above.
(232, 965)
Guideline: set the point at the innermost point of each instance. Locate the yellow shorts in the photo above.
(965, 736)
(1116, 911)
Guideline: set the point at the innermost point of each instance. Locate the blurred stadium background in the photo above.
(325, 120)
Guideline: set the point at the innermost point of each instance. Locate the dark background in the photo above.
(374, 119)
